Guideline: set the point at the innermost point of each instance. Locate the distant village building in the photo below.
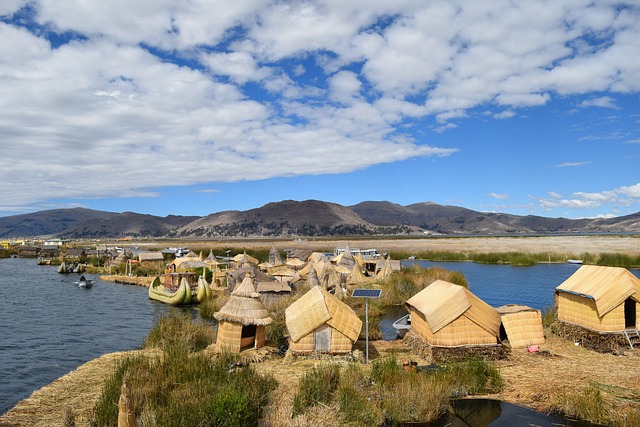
(55, 242)
(74, 254)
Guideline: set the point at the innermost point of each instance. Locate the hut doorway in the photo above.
(248, 339)
(322, 338)
(630, 313)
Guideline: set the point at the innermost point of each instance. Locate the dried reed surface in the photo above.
(128, 280)
(534, 380)
(78, 390)
(540, 244)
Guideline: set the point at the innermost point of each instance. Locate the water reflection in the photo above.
(495, 413)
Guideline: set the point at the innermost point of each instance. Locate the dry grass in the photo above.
(534, 380)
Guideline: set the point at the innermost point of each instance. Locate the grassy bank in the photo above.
(523, 258)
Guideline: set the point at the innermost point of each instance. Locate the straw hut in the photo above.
(185, 264)
(356, 276)
(521, 325)
(448, 315)
(243, 258)
(602, 299)
(274, 256)
(320, 322)
(242, 319)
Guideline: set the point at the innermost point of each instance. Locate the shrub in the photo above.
(316, 386)
(180, 331)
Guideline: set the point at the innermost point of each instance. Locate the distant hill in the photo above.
(306, 218)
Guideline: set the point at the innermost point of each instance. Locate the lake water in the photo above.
(50, 326)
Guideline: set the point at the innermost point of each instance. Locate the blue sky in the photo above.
(195, 107)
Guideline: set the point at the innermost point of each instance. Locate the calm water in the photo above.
(50, 326)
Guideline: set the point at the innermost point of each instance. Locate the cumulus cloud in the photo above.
(621, 196)
(260, 88)
(603, 102)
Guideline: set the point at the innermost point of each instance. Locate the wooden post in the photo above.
(126, 417)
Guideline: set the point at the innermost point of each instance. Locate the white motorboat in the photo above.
(402, 325)
(84, 282)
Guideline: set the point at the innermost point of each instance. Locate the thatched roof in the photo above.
(244, 258)
(312, 277)
(150, 256)
(356, 276)
(187, 263)
(244, 306)
(295, 262)
(273, 286)
(608, 287)
(522, 324)
(442, 302)
(274, 256)
(317, 307)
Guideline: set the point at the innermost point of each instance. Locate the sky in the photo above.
(191, 107)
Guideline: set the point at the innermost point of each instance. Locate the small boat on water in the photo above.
(84, 282)
(402, 325)
(574, 261)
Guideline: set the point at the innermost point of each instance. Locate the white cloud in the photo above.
(603, 102)
(241, 86)
(499, 196)
(572, 164)
(621, 196)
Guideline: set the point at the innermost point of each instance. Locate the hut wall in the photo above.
(419, 325)
(462, 332)
(582, 311)
(303, 345)
(229, 337)
(340, 343)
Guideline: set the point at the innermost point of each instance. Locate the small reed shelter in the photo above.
(319, 322)
(521, 325)
(448, 315)
(242, 319)
(602, 299)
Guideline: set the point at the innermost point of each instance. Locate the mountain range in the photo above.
(305, 218)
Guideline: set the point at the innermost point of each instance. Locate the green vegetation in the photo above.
(387, 393)
(182, 386)
(549, 315)
(523, 258)
(316, 386)
(179, 331)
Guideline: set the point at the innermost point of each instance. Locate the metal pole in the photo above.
(366, 317)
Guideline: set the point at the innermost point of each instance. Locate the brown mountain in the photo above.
(306, 218)
(289, 217)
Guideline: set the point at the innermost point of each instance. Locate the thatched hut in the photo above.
(602, 299)
(320, 322)
(521, 325)
(448, 315)
(242, 319)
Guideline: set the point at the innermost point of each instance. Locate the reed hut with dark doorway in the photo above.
(242, 320)
(602, 299)
(450, 316)
(521, 325)
(319, 322)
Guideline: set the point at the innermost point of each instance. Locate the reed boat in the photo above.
(203, 291)
(167, 294)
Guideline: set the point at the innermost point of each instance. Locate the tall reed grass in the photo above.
(182, 387)
(176, 330)
(388, 394)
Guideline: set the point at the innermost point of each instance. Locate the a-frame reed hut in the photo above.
(521, 325)
(602, 299)
(242, 319)
(448, 315)
(320, 322)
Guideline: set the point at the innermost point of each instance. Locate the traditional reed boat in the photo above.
(159, 292)
(203, 291)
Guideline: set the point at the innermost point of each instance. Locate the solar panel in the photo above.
(366, 293)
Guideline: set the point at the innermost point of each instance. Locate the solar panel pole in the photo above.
(366, 319)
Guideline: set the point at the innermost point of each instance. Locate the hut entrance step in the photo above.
(633, 337)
